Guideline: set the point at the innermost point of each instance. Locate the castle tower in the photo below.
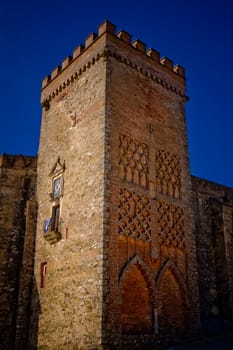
(115, 251)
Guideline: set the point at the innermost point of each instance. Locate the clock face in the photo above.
(57, 187)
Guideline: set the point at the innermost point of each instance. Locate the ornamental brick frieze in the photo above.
(168, 174)
(105, 54)
(134, 215)
(170, 219)
(147, 71)
(46, 102)
(133, 163)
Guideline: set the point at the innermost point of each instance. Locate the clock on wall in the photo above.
(57, 187)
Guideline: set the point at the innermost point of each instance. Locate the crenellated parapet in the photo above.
(151, 56)
(18, 161)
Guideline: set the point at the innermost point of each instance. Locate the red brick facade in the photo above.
(149, 233)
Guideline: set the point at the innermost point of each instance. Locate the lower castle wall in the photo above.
(17, 186)
(213, 208)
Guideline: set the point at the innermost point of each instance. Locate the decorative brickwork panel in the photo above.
(168, 174)
(170, 225)
(134, 215)
(133, 164)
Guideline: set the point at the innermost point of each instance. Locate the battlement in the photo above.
(18, 161)
(108, 27)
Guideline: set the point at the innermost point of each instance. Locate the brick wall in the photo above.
(150, 228)
(213, 220)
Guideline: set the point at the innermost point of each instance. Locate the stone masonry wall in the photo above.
(17, 186)
(213, 220)
(69, 271)
(23, 325)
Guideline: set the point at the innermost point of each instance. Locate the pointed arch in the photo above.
(169, 264)
(172, 299)
(137, 298)
(136, 260)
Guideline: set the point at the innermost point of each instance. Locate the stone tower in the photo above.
(115, 256)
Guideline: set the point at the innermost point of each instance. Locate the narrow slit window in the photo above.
(43, 273)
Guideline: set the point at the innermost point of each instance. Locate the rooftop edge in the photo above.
(108, 27)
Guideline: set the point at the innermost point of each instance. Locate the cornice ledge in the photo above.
(104, 55)
(45, 103)
(145, 71)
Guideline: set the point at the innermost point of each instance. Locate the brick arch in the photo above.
(136, 260)
(137, 290)
(172, 299)
(168, 264)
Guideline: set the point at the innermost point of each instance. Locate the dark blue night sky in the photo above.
(35, 36)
